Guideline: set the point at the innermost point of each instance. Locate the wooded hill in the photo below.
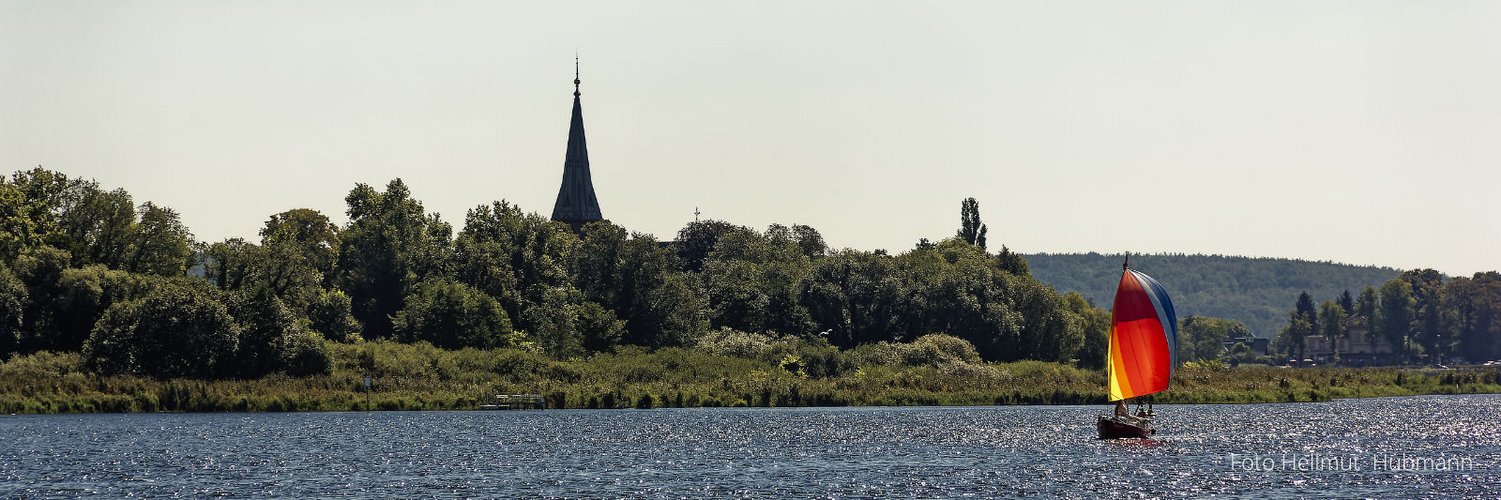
(1256, 291)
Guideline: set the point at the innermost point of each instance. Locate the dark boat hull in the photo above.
(1125, 428)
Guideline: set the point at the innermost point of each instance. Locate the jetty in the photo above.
(516, 402)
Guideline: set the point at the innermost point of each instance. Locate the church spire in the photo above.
(576, 203)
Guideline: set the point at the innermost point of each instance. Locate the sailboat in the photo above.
(1143, 352)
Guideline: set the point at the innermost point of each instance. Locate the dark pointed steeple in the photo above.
(576, 203)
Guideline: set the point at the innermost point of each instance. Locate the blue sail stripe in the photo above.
(1165, 314)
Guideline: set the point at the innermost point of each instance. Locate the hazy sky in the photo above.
(1366, 132)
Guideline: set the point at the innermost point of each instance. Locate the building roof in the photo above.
(576, 203)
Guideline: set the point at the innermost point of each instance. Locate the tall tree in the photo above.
(231, 264)
(1475, 301)
(301, 249)
(160, 244)
(1347, 302)
(1332, 317)
(696, 240)
(970, 227)
(18, 231)
(1293, 338)
(389, 247)
(1308, 310)
(1395, 316)
(1365, 311)
(98, 225)
(1433, 325)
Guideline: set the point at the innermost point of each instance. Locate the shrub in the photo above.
(179, 329)
(735, 343)
(452, 315)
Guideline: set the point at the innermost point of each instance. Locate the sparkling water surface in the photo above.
(767, 453)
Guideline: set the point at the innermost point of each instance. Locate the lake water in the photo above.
(1431, 446)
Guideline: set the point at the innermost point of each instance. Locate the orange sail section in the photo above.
(1143, 338)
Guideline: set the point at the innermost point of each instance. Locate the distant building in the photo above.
(1259, 346)
(1356, 348)
(576, 203)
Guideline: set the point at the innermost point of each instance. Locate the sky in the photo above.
(1362, 132)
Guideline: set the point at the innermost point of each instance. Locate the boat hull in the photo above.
(1125, 428)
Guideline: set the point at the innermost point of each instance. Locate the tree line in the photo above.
(1422, 314)
(1253, 290)
(87, 270)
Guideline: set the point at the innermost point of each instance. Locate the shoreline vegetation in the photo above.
(107, 305)
(728, 369)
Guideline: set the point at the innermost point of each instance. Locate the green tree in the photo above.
(1475, 302)
(265, 325)
(678, 312)
(856, 297)
(452, 315)
(329, 313)
(1012, 262)
(18, 231)
(41, 271)
(696, 240)
(809, 241)
(1204, 338)
(232, 264)
(179, 329)
(971, 230)
(1347, 302)
(45, 193)
(13, 300)
(389, 247)
(1308, 310)
(300, 248)
(82, 296)
(98, 225)
(1332, 317)
(957, 289)
(1365, 311)
(1096, 328)
(661, 305)
(557, 329)
(159, 244)
(1395, 316)
(754, 282)
(1433, 325)
(597, 265)
(491, 251)
(1293, 338)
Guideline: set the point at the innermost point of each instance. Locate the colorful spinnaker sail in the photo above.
(1143, 338)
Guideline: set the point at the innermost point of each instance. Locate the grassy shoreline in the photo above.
(422, 377)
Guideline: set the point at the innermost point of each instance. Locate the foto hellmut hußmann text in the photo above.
(1348, 462)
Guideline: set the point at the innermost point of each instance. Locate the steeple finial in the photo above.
(575, 73)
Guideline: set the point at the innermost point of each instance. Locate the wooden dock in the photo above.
(516, 402)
